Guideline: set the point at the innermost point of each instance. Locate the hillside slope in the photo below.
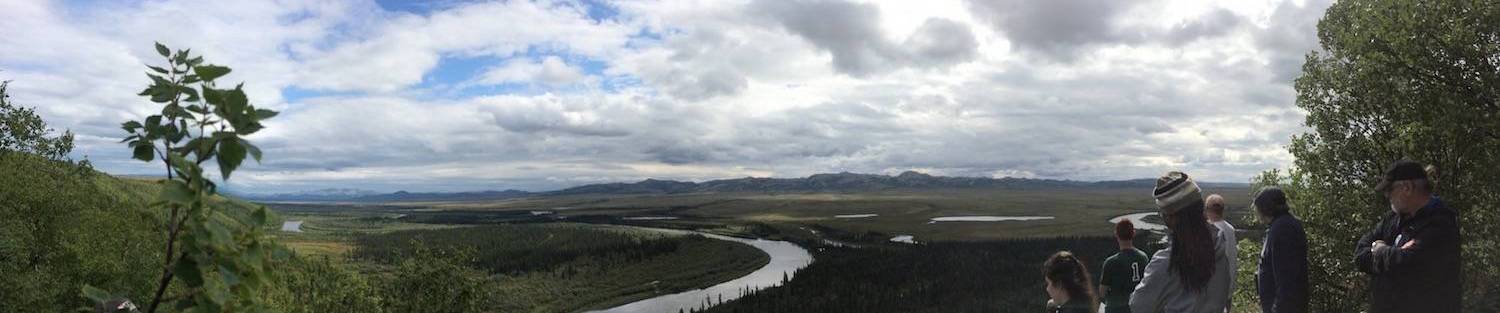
(62, 226)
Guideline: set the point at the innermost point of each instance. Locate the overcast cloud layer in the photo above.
(544, 95)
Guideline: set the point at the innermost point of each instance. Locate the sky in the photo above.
(541, 95)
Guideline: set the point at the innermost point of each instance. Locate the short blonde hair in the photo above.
(1214, 203)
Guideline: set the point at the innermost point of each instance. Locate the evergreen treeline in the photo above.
(1001, 276)
(566, 267)
(519, 248)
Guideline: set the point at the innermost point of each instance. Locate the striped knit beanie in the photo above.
(1175, 192)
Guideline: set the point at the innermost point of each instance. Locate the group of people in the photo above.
(1411, 255)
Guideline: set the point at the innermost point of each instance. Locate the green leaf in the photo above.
(261, 114)
(254, 150)
(172, 111)
(231, 154)
(144, 153)
(162, 49)
(213, 96)
(198, 146)
(158, 81)
(253, 253)
(261, 216)
(153, 123)
(210, 72)
(158, 69)
(131, 126)
(187, 270)
(246, 128)
(163, 97)
(176, 191)
(175, 134)
(235, 102)
(219, 235)
(192, 94)
(229, 275)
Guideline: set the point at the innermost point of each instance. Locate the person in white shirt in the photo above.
(1213, 207)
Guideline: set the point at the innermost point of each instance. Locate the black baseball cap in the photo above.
(1399, 171)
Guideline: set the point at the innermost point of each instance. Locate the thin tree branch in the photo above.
(174, 226)
(161, 285)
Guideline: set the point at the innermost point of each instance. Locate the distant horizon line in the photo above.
(377, 192)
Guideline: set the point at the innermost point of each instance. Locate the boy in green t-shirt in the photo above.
(1123, 270)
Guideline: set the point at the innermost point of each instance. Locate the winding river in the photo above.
(786, 259)
(291, 226)
(1139, 220)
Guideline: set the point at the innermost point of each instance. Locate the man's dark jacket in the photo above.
(1422, 277)
(1282, 278)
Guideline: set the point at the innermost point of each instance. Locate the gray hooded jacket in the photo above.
(1162, 291)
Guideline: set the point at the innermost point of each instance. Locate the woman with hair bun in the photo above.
(1069, 285)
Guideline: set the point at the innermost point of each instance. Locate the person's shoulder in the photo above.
(1075, 307)
(1140, 255)
(1163, 254)
(1439, 217)
(1442, 211)
(1296, 222)
(1287, 220)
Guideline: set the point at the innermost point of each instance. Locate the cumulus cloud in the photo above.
(942, 42)
(397, 54)
(1075, 89)
(551, 71)
(1291, 32)
(851, 33)
(1062, 30)
(548, 114)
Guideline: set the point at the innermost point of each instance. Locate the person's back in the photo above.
(1122, 272)
(1215, 209)
(1283, 267)
(1168, 294)
(1193, 273)
(1227, 234)
(1281, 277)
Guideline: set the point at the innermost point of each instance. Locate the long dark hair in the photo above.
(1193, 249)
(1069, 272)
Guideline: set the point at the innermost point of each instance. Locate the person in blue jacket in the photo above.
(1281, 279)
(1414, 254)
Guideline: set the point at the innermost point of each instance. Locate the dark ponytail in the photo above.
(1066, 270)
(1193, 248)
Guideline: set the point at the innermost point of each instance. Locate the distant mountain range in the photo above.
(361, 195)
(840, 182)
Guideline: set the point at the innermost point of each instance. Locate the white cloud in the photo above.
(551, 71)
(693, 89)
(399, 53)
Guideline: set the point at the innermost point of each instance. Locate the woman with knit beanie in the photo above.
(1192, 274)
